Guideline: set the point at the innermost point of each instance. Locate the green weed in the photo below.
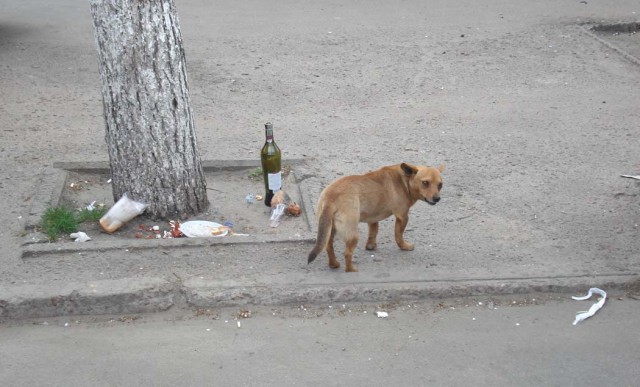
(85, 215)
(256, 173)
(57, 221)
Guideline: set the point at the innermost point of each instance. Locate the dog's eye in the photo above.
(425, 184)
(440, 186)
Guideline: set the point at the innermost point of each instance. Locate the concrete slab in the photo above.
(535, 118)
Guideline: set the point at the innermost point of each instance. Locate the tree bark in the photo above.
(150, 132)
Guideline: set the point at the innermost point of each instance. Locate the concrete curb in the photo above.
(49, 187)
(146, 295)
(200, 294)
(610, 46)
(133, 295)
(43, 249)
(207, 165)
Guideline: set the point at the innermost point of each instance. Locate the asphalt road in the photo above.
(483, 341)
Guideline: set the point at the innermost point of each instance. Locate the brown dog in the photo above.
(368, 199)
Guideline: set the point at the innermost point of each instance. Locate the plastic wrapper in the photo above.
(277, 213)
(594, 308)
(80, 236)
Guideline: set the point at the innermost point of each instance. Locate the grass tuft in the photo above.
(256, 173)
(85, 215)
(57, 221)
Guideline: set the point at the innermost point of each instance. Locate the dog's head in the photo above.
(425, 183)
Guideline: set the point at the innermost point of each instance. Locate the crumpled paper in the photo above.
(80, 236)
(594, 308)
(637, 177)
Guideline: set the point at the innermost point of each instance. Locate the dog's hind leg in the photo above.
(333, 261)
(373, 234)
(348, 254)
(346, 226)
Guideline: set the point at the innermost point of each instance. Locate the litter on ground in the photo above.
(594, 308)
(80, 236)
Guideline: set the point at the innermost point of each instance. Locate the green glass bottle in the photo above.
(271, 168)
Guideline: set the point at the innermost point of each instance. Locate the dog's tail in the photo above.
(324, 230)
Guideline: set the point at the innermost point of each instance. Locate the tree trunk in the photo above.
(150, 131)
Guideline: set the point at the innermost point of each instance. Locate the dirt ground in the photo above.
(227, 191)
(535, 119)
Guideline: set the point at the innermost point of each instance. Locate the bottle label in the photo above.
(275, 181)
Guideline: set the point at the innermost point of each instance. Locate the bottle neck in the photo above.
(269, 132)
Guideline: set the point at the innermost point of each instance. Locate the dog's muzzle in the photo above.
(433, 201)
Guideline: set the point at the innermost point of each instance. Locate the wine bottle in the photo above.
(271, 168)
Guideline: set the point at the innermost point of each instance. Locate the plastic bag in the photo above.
(594, 308)
(276, 215)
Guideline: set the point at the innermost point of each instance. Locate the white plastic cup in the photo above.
(123, 211)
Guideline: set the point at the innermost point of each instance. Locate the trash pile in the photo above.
(281, 204)
(126, 209)
(154, 232)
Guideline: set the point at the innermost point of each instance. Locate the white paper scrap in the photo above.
(637, 177)
(80, 236)
(382, 314)
(594, 308)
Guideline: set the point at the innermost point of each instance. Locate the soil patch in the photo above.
(227, 190)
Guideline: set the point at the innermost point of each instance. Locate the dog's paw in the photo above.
(351, 269)
(334, 265)
(406, 246)
(371, 246)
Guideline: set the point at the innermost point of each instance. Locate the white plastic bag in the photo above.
(594, 308)
(276, 215)
(80, 236)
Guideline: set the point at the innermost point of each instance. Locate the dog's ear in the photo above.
(441, 168)
(408, 169)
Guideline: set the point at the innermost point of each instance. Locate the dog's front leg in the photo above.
(401, 224)
(373, 233)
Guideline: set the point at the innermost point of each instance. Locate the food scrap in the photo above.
(294, 209)
(218, 231)
(175, 229)
(155, 232)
